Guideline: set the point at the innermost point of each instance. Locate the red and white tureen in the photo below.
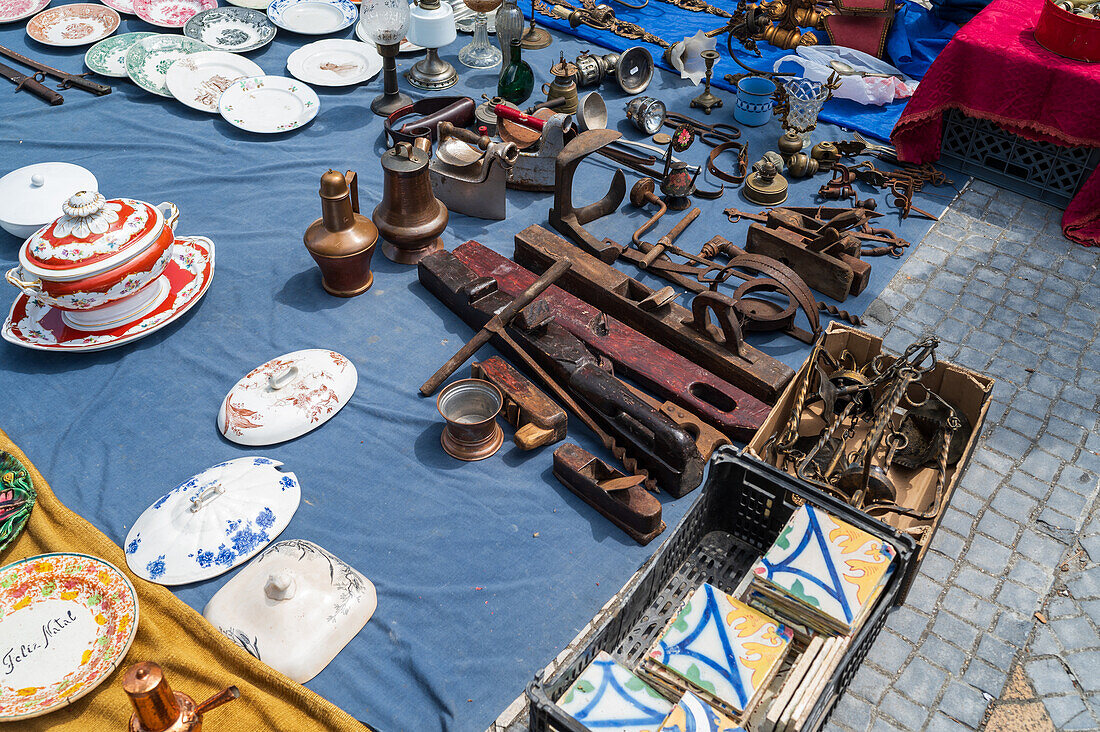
(100, 263)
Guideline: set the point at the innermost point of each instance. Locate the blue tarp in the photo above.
(484, 570)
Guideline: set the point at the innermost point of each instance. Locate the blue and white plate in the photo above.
(313, 17)
(211, 523)
(230, 29)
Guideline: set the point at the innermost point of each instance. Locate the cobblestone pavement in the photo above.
(1012, 584)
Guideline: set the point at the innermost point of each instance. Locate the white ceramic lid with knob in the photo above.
(287, 397)
(31, 196)
(211, 523)
(294, 587)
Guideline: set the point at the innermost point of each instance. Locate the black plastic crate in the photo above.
(1040, 170)
(738, 514)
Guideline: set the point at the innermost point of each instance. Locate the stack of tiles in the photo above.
(720, 649)
(692, 714)
(821, 573)
(608, 698)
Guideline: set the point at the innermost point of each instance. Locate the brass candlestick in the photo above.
(707, 100)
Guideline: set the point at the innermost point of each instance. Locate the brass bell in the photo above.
(159, 709)
(410, 218)
(563, 86)
(764, 186)
(801, 165)
(342, 241)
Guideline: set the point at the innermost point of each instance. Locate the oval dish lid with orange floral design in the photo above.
(94, 234)
(67, 621)
(287, 397)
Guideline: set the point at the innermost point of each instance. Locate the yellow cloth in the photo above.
(196, 658)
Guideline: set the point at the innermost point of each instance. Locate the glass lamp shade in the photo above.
(510, 24)
(432, 27)
(384, 21)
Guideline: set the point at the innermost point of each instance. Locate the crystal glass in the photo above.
(509, 25)
(384, 21)
(805, 99)
(479, 53)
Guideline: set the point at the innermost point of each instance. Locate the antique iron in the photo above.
(570, 220)
(159, 709)
(537, 420)
(409, 218)
(342, 241)
(470, 172)
(470, 408)
(534, 168)
(707, 100)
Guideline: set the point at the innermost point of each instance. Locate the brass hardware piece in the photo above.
(159, 709)
(707, 100)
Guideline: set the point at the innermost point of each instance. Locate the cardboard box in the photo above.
(966, 390)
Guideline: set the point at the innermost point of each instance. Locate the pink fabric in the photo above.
(993, 69)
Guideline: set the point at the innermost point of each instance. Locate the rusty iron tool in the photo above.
(538, 421)
(497, 322)
(642, 193)
(67, 80)
(569, 219)
(32, 83)
(653, 312)
(620, 498)
(707, 438)
(903, 198)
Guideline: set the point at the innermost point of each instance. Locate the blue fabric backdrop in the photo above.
(484, 570)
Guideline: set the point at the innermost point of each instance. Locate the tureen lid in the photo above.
(32, 195)
(293, 585)
(287, 397)
(91, 230)
(212, 522)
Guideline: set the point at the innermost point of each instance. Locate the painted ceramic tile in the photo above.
(722, 645)
(608, 698)
(826, 563)
(692, 714)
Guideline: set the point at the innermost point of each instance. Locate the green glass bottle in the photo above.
(517, 80)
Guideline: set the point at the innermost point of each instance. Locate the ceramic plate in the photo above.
(231, 29)
(73, 618)
(268, 104)
(287, 397)
(148, 60)
(406, 45)
(108, 57)
(73, 25)
(211, 523)
(32, 324)
(251, 4)
(170, 13)
(13, 10)
(122, 6)
(334, 62)
(198, 80)
(313, 17)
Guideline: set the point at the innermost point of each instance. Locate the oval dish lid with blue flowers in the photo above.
(211, 523)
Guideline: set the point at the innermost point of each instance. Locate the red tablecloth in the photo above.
(993, 69)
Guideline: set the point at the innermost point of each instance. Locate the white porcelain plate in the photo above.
(287, 397)
(268, 104)
(148, 60)
(211, 523)
(13, 10)
(312, 17)
(231, 29)
(73, 25)
(251, 4)
(198, 80)
(334, 62)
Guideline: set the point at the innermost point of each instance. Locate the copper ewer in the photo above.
(342, 241)
(159, 709)
(410, 218)
(470, 407)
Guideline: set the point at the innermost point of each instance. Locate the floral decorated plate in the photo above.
(72, 618)
(231, 29)
(122, 6)
(287, 397)
(334, 62)
(268, 104)
(17, 497)
(198, 80)
(108, 57)
(313, 17)
(170, 13)
(73, 25)
(212, 522)
(33, 324)
(13, 10)
(148, 60)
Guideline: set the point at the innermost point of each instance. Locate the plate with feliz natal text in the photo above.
(66, 623)
(13, 10)
(73, 25)
(108, 57)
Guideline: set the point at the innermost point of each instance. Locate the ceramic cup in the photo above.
(754, 101)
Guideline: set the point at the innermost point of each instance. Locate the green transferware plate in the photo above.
(108, 57)
(148, 60)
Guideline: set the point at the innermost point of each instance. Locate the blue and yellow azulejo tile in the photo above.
(692, 714)
(609, 698)
(722, 646)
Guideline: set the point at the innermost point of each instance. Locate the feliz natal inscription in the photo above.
(49, 629)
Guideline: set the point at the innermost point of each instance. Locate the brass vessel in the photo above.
(159, 709)
(342, 241)
(410, 218)
(564, 86)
